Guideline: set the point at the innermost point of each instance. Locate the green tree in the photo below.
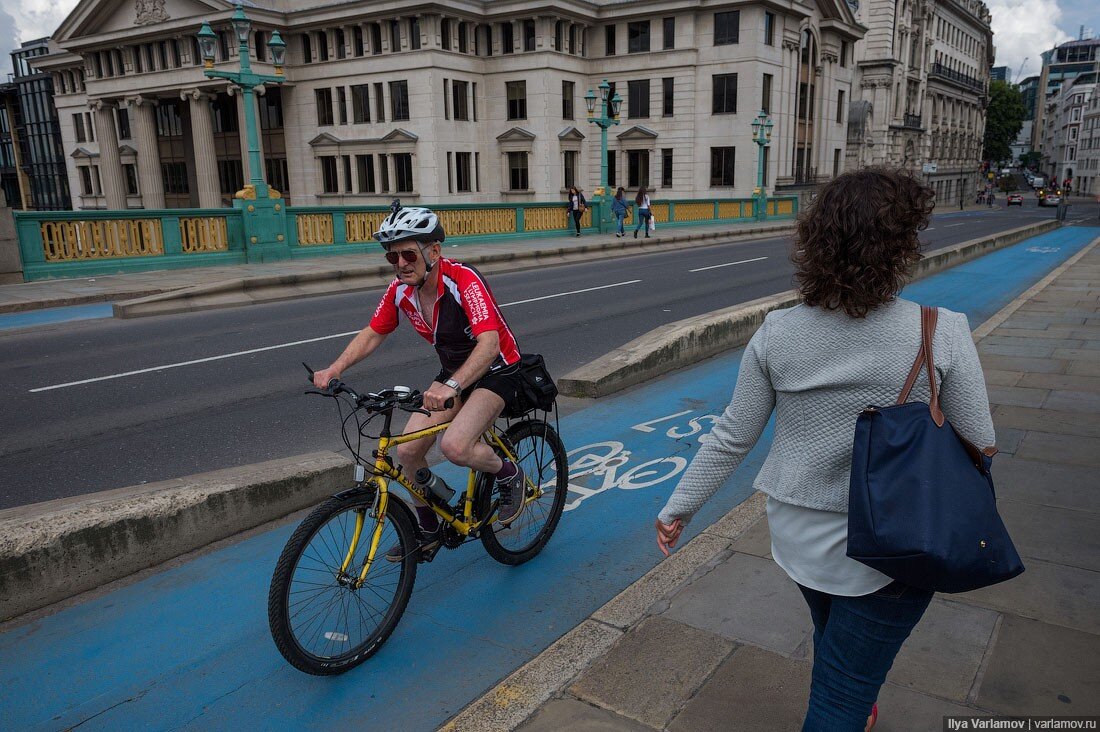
(1003, 120)
(1030, 159)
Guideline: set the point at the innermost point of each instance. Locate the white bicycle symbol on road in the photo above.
(601, 463)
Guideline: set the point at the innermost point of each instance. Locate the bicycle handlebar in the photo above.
(399, 396)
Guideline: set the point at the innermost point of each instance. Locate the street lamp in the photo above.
(762, 136)
(608, 115)
(264, 213)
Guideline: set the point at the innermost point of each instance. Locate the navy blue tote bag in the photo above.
(921, 506)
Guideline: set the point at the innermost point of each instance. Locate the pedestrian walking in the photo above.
(642, 201)
(576, 206)
(850, 343)
(619, 207)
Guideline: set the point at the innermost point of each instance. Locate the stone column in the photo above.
(150, 180)
(110, 167)
(202, 141)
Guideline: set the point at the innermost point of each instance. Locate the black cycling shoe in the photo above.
(512, 492)
(429, 541)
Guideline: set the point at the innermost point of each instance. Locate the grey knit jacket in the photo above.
(817, 369)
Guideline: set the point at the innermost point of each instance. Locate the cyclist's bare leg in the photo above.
(413, 455)
(462, 443)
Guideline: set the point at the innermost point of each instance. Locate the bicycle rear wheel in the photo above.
(321, 622)
(539, 451)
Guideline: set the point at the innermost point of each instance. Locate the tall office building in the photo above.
(36, 133)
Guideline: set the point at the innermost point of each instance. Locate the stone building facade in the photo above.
(1063, 140)
(454, 102)
(1088, 149)
(924, 70)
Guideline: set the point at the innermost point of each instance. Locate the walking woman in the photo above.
(577, 205)
(619, 208)
(849, 344)
(642, 201)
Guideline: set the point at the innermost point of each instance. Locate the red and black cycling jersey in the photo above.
(464, 309)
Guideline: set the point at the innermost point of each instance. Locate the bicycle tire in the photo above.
(297, 642)
(547, 467)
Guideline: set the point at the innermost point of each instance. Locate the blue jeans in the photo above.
(855, 642)
(619, 218)
(643, 220)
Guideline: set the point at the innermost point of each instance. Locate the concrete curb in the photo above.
(53, 550)
(272, 288)
(689, 341)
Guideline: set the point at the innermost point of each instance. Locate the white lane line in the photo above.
(571, 292)
(727, 264)
(931, 228)
(283, 345)
(950, 225)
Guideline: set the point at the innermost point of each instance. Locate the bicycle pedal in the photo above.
(428, 553)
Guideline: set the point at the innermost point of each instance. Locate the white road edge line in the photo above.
(727, 264)
(950, 225)
(283, 345)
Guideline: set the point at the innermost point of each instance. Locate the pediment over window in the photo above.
(399, 135)
(83, 152)
(637, 132)
(126, 150)
(325, 139)
(516, 134)
(570, 133)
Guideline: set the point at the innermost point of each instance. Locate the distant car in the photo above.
(1050, 199)
(1015, 199)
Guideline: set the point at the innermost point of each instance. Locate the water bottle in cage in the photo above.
(429, 482)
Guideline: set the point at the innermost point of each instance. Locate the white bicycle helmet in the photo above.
(410, 223)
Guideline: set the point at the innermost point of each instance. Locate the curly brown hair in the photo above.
(856, 244)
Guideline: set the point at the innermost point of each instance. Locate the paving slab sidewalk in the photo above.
(105, 288)
(729, 647)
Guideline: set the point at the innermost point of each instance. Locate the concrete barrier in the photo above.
(51, 551)
(689, 341)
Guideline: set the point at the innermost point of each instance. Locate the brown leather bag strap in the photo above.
(915, 371)
(929, 317)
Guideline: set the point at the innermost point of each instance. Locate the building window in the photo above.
(721, 166)
(223, 49)
(667, 96)
(383, 174)
(567, 93)
(271, 111)
(129, 174)
(324, 107)
(414, 33)
(666, 167)
(769, 28)
(379, 103)
(725, 94)
(445, 33)
(364, 168)
(360, 103)
(322, 46)
(473, 100)
(462, 172)
(78, 128)
(507, 38)
(517, 171)
(477, 171)
(637, 168)
(347, 173)
(637, 36)
(569, 160)
(329, 181)
(357, 47)
(450, 188)
(375, 38)
(399, 100)
(727, 27)
(840, 106)
(611, 168)
(460, 91)
(463, 38)
(559, 29)
(395, 35)
(341, 44)
(836, 162)
(230, 177)
(85, 180)
(278, 177)
(637, 93)
(260, 42)
(528, 35)
(403, 172)
(609, 40)
(174, 177)
(669, 33)
(517, 99)
(342, 104)
(766, 94)
(764, 151)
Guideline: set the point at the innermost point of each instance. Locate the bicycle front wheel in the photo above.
(322, 620)
(539, 451)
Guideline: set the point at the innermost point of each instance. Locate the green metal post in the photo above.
(762, 133)
(607, 118)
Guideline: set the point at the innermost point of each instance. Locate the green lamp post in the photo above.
(609, 115)
(762, 136)
(262, 208)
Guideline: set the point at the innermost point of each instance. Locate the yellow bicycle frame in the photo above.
(383, 467)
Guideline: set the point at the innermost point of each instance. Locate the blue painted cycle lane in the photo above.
(189, 647)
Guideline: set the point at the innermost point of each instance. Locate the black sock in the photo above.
(427, 518)
(507, 470)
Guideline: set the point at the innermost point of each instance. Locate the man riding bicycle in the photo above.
(452, 307)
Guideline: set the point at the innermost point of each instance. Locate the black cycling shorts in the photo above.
(506, 383)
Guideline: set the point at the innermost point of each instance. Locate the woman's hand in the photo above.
(668, 534)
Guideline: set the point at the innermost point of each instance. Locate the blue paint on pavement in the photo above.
(49, 316)
(189, 647)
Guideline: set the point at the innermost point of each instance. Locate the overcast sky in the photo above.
(1022, 28)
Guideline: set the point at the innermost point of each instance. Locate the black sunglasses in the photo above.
(409, 255)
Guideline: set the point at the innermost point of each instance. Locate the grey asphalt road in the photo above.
(223, 388)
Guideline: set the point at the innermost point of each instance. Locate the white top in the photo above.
(645, 202)
(810, 545)
(576, 203)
